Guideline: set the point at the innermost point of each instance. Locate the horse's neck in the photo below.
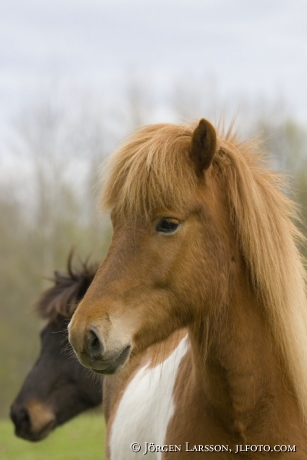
(242, 377)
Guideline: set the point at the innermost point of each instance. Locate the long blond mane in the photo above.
(152, 170)
(147, 173)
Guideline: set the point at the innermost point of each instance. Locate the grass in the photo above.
(80, 439)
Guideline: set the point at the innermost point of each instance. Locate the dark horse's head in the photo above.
(58, 387)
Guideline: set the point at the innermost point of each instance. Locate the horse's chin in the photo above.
(109, 367)
(108, 371)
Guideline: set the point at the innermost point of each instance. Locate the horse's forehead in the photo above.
(142, 180)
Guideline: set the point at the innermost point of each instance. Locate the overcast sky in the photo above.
(251, 48)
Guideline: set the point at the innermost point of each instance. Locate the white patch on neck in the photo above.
(146, 407)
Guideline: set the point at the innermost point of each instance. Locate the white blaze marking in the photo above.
(146, 407)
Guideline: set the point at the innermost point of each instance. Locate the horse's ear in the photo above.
(203, 146)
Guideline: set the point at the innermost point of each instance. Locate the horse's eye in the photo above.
(167, 225)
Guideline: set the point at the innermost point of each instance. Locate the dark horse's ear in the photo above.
(203, 146)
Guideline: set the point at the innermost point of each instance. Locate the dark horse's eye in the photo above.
(167, 225)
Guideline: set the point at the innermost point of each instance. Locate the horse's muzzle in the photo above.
(34, 424)
(93, 354)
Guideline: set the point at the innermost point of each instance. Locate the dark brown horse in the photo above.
(199, 309)
(57, 388)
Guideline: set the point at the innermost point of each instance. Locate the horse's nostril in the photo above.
(93, 344)
(21, 419)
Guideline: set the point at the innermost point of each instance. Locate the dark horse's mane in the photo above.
(61, 299)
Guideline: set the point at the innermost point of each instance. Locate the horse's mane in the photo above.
(69, 288)
(152, 171)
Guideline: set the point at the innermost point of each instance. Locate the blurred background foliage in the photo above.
(49, 168)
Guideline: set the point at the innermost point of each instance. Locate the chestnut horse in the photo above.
(200, 302)
(57, 388)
